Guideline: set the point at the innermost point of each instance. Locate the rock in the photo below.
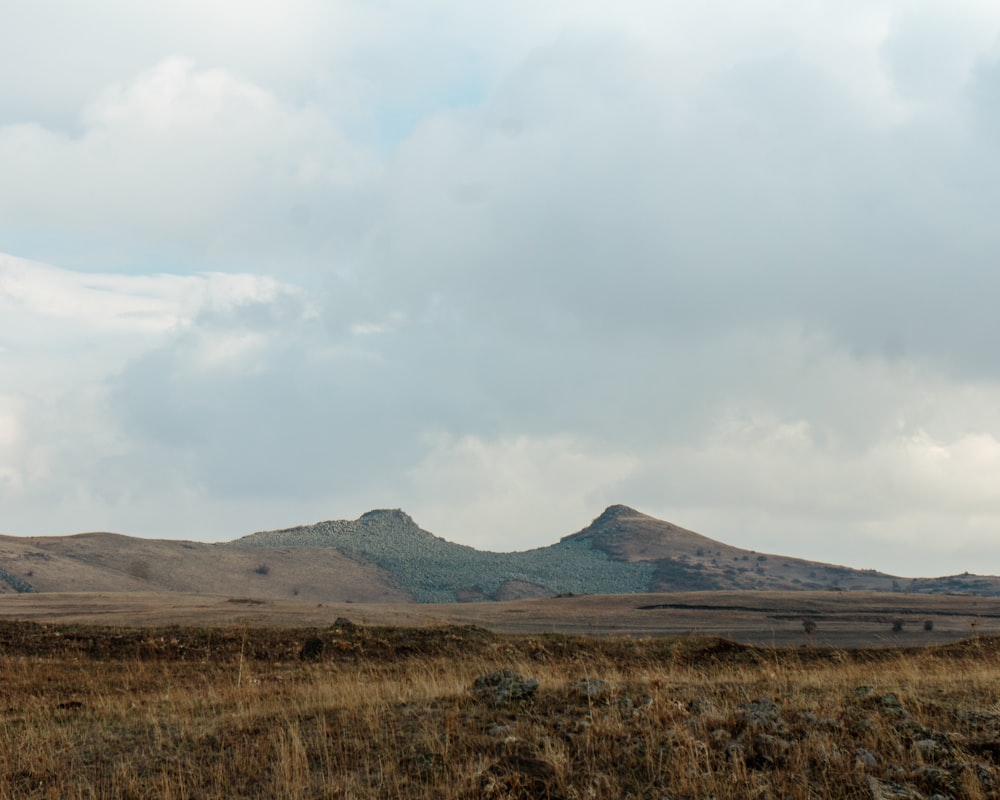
(720, 736)
(504, 686)
(762, 713)
(980, 720)
(933, 778)
(984, 774)
(590, 688)
(927, 747)
(865, 758)
(630, 705)
(736, 752)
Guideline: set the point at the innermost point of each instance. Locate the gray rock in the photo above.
(720, 736)
(736, 751)
(629, 706)
(504, 686)
(590, 688)
(862, 727)
(927, 747)
(979, 720)
(762, 713)
(933, 777)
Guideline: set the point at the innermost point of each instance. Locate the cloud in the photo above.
(65, 334)
(528, 487)
(734, 268)
(191, 162)
(139, 304)
(124, 304)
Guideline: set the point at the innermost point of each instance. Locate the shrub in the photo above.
(312, 649)
(263, 569)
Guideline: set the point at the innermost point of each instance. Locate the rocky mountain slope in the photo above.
(433, 570)
(384, 556)
(622, 551)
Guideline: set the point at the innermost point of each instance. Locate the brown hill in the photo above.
(109, 562)
(689, 561)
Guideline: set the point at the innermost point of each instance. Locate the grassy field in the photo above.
(98, 712)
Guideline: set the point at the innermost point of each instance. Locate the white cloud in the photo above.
(513, 493)
(198, 161)
(767, 484)
(731, 265)
(138, 304)
(10, 439)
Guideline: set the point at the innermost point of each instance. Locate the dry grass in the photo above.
(200, 713)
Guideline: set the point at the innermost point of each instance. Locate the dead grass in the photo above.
(387, 712)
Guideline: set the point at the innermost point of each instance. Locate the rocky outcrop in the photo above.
(504, 686)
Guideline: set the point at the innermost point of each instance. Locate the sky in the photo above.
(501, 265)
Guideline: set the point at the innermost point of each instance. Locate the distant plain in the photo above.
(841, 619)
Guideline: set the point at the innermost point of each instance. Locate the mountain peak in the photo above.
(394, 516)
(617, 511)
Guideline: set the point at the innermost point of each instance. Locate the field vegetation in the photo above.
(377, 712)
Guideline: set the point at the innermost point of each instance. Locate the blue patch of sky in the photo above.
(395, 119)
(85, 252)
(90, 253)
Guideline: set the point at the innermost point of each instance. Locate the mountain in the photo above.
(433, 570)
(384, 556)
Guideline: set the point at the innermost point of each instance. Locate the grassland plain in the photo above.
(202, 712)
(840, 619)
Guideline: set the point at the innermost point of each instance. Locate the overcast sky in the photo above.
(734, 264)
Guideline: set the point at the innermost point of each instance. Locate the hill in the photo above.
(384, 556)
(108, 562)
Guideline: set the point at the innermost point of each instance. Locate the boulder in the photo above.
(504, 686)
